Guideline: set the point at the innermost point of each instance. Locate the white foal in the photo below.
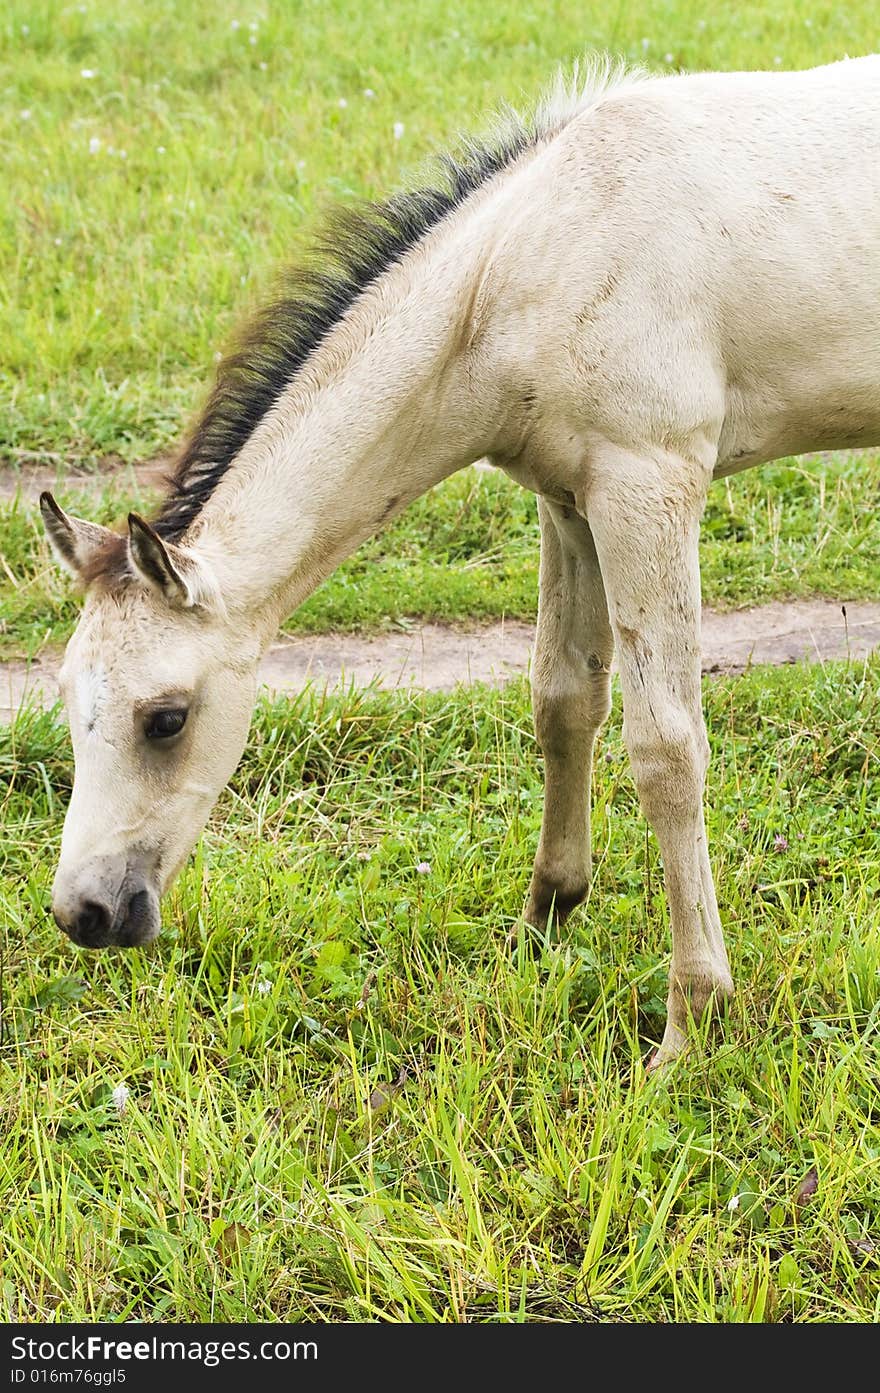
(656, 282)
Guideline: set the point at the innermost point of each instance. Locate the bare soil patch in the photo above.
(33, 475)
(435, 657)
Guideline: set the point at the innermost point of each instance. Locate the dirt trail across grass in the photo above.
(51, 472)
(435, 657)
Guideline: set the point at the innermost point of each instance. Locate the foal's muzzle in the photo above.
(97, 908)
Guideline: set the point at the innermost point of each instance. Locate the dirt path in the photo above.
(55, 472)
(437, 658)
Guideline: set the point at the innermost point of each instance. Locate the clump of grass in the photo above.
(355, 1089)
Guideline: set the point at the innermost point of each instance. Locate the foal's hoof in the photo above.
(665, 1054)
(552, 904)
(686, 1008)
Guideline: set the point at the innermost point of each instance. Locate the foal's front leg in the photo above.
(644, 514)
(571, 698)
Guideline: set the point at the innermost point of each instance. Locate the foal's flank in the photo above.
(652, 283)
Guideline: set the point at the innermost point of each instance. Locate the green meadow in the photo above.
(346, 1083)
(353, 1088)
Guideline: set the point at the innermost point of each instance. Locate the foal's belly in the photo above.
(757, 436)
(815, 392)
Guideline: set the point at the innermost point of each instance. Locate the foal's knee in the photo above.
(669, 760)
(568, 719)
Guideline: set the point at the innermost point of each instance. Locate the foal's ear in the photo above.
(151, 560)
(172, 572)
(73, 541)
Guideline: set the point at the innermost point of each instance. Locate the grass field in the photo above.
(355, 1092)
(344, 1084)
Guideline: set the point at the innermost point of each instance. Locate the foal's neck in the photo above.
(392, 402)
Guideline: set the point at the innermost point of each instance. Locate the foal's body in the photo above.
(671, 280)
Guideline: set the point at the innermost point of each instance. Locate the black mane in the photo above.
(359, 244)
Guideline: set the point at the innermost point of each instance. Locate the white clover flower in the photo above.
(424, 868)
(120, 1097)
(160, 149)
(369, 93)
(26, 114)
(94, 144)
(343, 103)
(264, 67)
(252, 39)
(733, 1204)
(399, 129)
(667, 58)
(236, 24)
(264, 987)
(88, 73)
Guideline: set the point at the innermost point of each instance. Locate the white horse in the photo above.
(652, 283)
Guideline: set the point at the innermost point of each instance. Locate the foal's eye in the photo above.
(161, 725)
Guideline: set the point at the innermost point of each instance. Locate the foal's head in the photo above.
(159, 693)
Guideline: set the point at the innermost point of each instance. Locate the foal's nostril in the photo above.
(91, 927)
(137, 920)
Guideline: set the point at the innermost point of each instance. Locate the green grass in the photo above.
(147, 204)
(355, 1090)
(404, 1112)
(469, 551)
